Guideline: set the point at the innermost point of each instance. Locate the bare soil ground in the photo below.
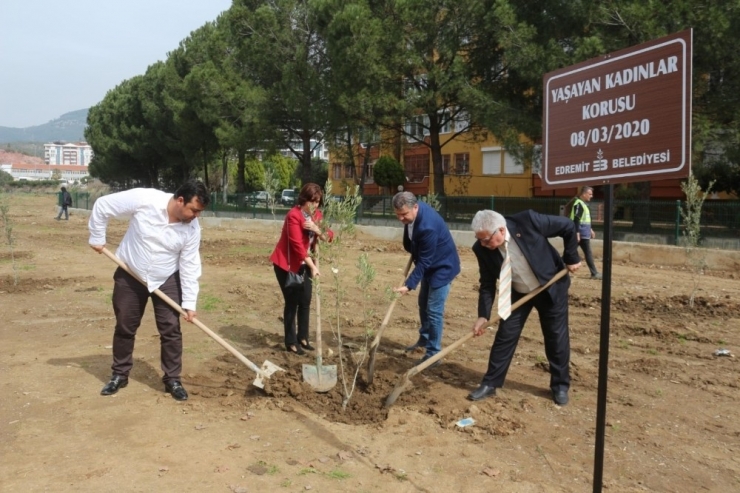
(673, 420)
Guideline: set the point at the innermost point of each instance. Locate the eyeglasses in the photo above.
(486, 241)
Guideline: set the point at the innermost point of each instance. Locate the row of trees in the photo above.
(289, 74)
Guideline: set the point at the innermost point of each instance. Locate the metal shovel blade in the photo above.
(267, 369)
(322, 378)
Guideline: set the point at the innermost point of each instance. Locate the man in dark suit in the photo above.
(436, 263)
(532, 261)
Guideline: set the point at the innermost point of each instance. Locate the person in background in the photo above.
(161, 246)
(66, 202)
(299, 236)
(581, 215)
(515, 251)
(436, 263)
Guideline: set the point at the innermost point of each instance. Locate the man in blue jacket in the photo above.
(519, 246)
(436, 263)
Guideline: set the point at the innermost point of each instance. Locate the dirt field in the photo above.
(673, 420)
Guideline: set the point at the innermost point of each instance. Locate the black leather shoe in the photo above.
(296, 350)
(415, 345)
(482, 392)
(116, 382)
(307, 346)
(176, 390)
(560, 397)
(433, 365)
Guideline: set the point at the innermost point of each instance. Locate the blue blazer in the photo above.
(530, 230)
(432, 249)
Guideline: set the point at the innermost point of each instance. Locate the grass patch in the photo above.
(209, 302)
(307, 470)
(338, 474)
(402, 476)
(261, 250)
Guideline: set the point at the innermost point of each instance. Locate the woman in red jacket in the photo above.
(298, 238)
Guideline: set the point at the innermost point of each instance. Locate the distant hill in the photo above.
(70, 127)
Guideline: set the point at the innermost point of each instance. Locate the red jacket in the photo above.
(294, 234)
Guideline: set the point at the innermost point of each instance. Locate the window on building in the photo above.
(416, 128)
(369, 178)
(446, 164)
(497, 161)
(368, 136)
(336, 172)
(416, 167)
(349, 170)
(462, 121)
(446, 121)
(491, 160)
(462, 163)
(512, 166)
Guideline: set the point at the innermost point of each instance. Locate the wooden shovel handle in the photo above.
(420, 367)
(387, 317)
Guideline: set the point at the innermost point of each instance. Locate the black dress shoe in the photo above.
(560, 397)
(433, 365)
(116, 382)
(482, 392)
(176, 390)
(415, 345)
(296, 350)
(307, 346)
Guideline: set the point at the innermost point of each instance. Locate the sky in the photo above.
(61, 56)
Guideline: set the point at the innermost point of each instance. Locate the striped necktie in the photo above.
(504, 284)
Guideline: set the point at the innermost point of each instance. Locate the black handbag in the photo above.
(294, 279)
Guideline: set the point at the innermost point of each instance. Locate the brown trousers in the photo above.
(129, 302)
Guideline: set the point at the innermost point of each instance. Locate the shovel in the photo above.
(405, 382)
(376, 341)
(322, 378)
(263, 373)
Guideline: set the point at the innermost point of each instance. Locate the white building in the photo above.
(31, 172)
(74, 154)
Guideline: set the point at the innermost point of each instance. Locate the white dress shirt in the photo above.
(152, 247)
(523, 279)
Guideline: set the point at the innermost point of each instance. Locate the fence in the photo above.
(634, 220)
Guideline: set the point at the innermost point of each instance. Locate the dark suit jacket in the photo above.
(531, 231)
(432, 248)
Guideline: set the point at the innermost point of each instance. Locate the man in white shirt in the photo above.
(161, 247)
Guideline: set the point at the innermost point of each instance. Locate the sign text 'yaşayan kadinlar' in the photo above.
(619, 78)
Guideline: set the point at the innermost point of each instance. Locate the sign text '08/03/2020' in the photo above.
(617, 131)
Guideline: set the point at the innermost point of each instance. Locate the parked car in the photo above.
(258, 197)
(288, 197)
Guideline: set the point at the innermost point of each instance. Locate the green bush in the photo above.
(5, 178)
(388, 172)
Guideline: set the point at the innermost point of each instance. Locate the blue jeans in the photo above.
(431, 312)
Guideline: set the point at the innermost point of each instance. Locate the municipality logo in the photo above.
(600, 164)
